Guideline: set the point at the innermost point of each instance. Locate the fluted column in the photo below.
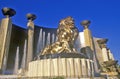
(30, 44)
(5, 36)
(103, 46)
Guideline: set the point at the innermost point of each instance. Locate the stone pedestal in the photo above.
(63, 67)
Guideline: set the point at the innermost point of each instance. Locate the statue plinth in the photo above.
(68, 65)
(62, 55)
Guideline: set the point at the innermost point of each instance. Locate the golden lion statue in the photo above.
(66, 34)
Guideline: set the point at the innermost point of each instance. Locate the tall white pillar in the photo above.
(30, 44)
(5, 36)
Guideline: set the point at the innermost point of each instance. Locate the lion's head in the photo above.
(67, 22)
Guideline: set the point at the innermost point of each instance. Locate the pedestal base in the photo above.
(66, 65)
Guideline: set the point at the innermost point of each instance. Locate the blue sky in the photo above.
(104, 16)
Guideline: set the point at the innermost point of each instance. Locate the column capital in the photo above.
(85, 23)
(102, 43)
(8, 12)
(31, 17)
